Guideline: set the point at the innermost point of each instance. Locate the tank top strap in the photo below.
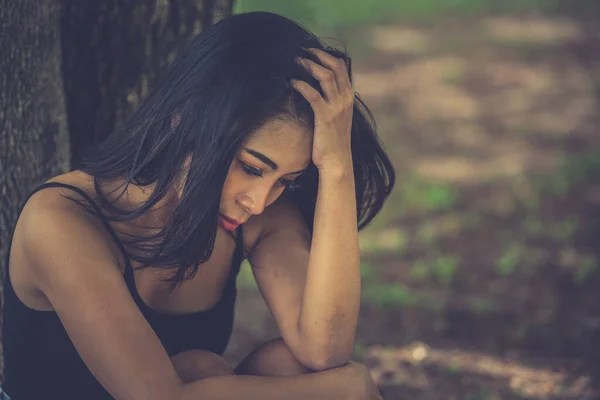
(109, 228)
(128, 275)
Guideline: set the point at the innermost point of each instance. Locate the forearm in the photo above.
(339, 383)
(331, 300)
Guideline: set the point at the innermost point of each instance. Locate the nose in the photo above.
(255, 201)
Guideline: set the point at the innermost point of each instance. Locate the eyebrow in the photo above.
(269, 162)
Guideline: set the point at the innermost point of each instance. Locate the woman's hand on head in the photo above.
(333, 114)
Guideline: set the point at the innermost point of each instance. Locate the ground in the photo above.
(481, 273)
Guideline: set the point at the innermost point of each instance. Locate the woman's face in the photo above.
(266, 163)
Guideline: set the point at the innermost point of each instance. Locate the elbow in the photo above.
(325, 351)
(325, 360)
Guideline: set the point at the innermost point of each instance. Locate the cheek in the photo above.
(229, 187)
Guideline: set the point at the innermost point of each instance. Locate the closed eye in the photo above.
(288, 184)
(250, 170)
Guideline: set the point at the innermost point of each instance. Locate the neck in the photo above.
(133, 196)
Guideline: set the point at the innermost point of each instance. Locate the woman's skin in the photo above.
(273, 358)
(311, 287)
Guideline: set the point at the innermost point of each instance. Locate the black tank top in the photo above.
(41, 362)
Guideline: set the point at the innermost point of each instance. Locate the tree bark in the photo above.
(70, 72)
(113, 51)
(33, 133)
(33, 130)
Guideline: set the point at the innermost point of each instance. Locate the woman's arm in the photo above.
(312, 286)
(72, 264)
(312, 290)
(331, 300)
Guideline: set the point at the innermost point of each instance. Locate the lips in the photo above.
(227, 223)
(230, 220)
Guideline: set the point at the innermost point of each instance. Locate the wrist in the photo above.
(338, 167)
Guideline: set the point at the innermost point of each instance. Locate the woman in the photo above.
(121, 278)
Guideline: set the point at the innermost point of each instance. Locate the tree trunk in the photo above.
(70, 72)
(33, 135)
(112, 51)
(33, 132)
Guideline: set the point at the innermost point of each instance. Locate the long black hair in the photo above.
(227, 82)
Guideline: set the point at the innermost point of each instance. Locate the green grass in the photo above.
(323, 16)
(245, 278)
(414, 195)
(573, 170)
(454, 75)
(389, 295)
(420, 271)
(587, 267)
(359, 350)
(533, 225)
(583, 167)
(510, 259)
(427, 234)
(481, 306)
(564, 229)
(427, 196)
(367, 272)
(444, 269)
(454, 369)
(389, 240)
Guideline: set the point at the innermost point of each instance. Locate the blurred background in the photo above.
(481, 275)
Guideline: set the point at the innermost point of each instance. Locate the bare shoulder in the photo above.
(68, 256)
(52, 229)
(52, 223)
(283, 215)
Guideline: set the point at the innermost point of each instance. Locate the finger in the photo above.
(338, 66)
(326, 78)
(311, 94)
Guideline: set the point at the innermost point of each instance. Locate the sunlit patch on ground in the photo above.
(537, 30)
(476, 113)
(418, 366)
(400, 39)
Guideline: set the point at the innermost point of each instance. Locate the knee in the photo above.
(273, 358)
(193, 365)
